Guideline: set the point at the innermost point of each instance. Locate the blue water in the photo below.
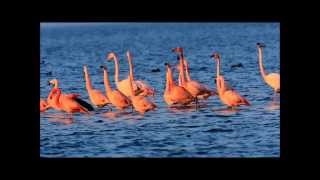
(211, 131)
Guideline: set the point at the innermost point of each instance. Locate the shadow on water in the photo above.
(226, 111)
(60, 118)
(113, 115)
(187, 108)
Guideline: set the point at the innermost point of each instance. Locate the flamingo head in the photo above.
(261, 45)
(85, 68)
(53, 82)
(111, 55)
(128, 53)
(167, 65)
(103, 67)
(177, 50)
(216, 56)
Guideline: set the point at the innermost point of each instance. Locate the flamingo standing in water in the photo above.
(123, 85)
(227, 95)
(52, 101)
(143, 86)
(139, 102)
(196, 89)
(96, 96)
(43, 105)
(272, 79)
(67, 103)
(116, 98)
(174, 94)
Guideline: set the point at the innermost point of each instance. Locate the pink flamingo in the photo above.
(116, 98)
(173, 93)
(141, 85)
(195, 88)
(228, 96)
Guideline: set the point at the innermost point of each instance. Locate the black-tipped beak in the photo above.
(102, 67)
(212, 56)
(173, 49)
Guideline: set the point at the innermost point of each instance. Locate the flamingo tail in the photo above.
(84, 104)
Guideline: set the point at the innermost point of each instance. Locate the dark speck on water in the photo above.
(155, 70)
(210, 131)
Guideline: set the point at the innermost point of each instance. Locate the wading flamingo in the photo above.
(123, 85)
(43, 105)
(116, 98)
(67, 103)
(143, 86)
(196, 89)
(96, 96)
(228, 96)
(272, 79)
(139, 102)
(174, 94)
(54, 104)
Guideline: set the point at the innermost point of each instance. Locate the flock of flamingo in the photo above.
(134, 93)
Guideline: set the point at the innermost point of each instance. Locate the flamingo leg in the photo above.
(196, 103)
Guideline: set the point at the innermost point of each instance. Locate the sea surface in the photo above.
(210, 131)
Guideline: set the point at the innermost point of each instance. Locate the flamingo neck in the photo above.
(262, 71)
(167, 81)
(218, 67)
(116, 65)
(222, 84)
(130, 68)
(131, 88)
(187, 70)
(57, 96)
(170, 78)
(106, 82)
(88, 81)
(181, 69)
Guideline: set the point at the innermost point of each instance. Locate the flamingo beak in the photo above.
(212, 56)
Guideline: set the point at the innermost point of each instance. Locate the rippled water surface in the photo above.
(211, 131)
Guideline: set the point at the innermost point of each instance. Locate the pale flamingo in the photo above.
(139, 102)
(196, 89)
(143, 86)
(43, 105)
(174, 94)
(123, 85)
(228, 96)
(67, 103)
(96, 96)
(116, 98)
(57, 104)
(272, 79)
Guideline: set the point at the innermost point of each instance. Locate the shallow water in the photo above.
(210, 131)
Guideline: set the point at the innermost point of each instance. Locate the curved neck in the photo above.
(130, 67)
(116, 72)
(87, 78)
(56, 84)
(187, 70)
(262, 71)
(106, 81)
(50, 96)
(57, 96)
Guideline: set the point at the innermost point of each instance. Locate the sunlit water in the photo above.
(210, 131)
